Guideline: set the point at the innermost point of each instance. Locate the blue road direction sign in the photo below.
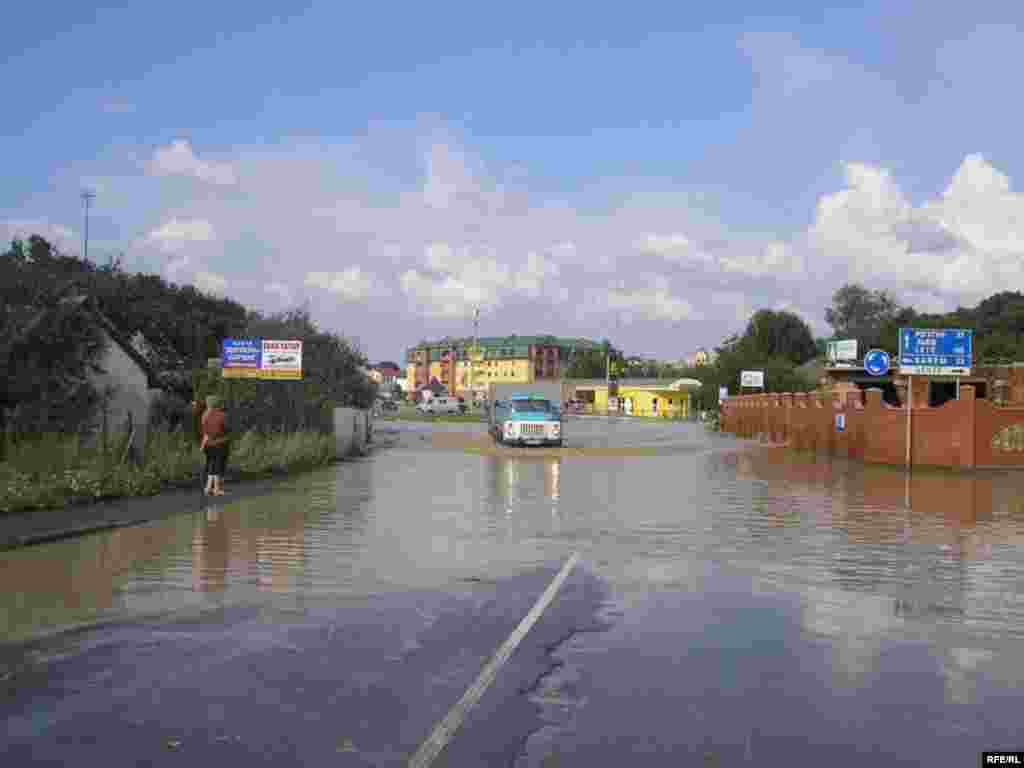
(876, 362)
(940, 352)
(242, 359)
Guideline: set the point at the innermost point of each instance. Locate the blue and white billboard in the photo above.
(242, 358)
(942, 352)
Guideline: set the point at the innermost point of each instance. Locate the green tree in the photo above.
(859, 313)
(594, 363)
(784, 335)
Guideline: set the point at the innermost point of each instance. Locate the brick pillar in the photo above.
(838, 442)
(762, 418)
(787, 417)
(798, 421)
(774, 414)
(874, 444)
(969, 410)
(827, 422)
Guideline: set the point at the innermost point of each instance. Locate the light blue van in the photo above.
(526, 420)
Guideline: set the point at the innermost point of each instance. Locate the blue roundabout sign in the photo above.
(876, 362)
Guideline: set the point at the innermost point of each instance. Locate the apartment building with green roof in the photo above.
(466, 366)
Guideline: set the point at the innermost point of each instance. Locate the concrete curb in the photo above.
(16, 542)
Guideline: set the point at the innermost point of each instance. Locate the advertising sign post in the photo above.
(262, 359)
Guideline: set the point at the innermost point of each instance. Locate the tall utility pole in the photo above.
(87, 197)
(473, 352)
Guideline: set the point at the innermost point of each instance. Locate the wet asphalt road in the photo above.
(733, 605)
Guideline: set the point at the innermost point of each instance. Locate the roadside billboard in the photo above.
(753, 379)
(241, 358)
(261, 359)
(282, 360)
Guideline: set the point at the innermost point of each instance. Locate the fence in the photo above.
(963, 433)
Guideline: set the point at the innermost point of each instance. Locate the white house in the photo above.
(126, 376)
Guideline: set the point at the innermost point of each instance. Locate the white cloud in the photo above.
(210, 282)
(453, 181)
(178, 159)
(961, 247)
(674, 248)
(459, 279)
(456, 238)
(464, 281)
(280, 290)
(351, 284)
(175, 235)
(774, 259)
(536, 276)
(654, 303)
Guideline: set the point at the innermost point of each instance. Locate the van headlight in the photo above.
(556, 428)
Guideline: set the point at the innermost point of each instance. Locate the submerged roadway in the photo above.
(709, 602)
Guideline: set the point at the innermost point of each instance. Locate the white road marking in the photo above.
(445, 730)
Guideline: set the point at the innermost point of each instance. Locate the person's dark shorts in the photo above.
(216, 460)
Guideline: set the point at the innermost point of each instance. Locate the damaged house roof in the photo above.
(89, 306)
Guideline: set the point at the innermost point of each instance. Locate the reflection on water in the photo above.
(838, 536)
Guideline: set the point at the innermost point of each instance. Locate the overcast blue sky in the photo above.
(651, 172)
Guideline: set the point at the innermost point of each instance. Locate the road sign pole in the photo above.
(910, 395)
(957, 387)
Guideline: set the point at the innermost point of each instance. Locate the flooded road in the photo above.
(732, 603)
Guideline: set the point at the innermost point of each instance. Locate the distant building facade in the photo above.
(465, 367)
(386, 374)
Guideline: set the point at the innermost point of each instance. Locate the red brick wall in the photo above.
(990, 421)
(958, 434)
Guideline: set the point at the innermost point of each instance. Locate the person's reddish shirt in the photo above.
(214, 423)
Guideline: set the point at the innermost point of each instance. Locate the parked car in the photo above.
(437, 406)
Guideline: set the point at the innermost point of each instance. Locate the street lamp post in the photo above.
(473, 353)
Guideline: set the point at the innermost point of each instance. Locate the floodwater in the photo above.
(733, 603)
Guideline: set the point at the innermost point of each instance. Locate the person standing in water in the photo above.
(215, 445)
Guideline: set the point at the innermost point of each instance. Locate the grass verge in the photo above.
(52, 473)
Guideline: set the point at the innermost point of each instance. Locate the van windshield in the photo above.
(531, 406)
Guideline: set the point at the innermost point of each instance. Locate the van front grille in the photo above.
(532, 429)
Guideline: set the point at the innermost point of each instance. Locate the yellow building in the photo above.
(655, 398)
(468, 366)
